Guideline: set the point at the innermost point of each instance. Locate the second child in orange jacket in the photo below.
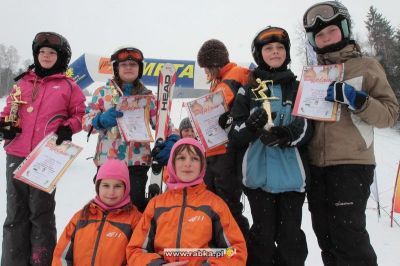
(187, 216)
(99, 233)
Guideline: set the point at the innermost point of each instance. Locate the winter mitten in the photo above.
(342, 92)
(107, 119)
(163, 155)
(63, 133)
(257, 120)
(7, 131)
(276, 136)
(154, 190)
(225, 120)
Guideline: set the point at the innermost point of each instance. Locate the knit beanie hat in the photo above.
(173, 181)
(185, 123)
(117, 170)
(213, 53)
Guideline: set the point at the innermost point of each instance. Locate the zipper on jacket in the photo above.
(178, 237)
(281, 119)
(103, 220)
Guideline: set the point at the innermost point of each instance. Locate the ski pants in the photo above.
(337, 197)
(222, 178)
(276, 237)
(138, 178)
(29, 230)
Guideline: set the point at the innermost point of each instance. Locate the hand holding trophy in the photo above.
(260, 95)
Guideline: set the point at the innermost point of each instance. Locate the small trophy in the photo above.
(15, 103)
(260, 94)
(113, 133)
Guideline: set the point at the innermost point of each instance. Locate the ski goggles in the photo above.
(266, 34)
(48, 38)
(324, 12)
(133, 54)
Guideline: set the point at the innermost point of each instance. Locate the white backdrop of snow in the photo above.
(76, 188)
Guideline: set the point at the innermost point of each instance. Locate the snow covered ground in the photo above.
(76, 188)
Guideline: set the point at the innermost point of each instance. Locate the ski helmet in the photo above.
(268, 35)
(56, 42)
(125, 53)
(324, 14)
(213, 53)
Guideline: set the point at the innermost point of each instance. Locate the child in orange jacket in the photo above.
(187, 218)
(99, 233)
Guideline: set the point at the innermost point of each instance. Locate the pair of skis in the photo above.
(166, 85)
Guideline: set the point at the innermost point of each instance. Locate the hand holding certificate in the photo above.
(134, 124)
(45, 165)
(310, 100)
(204, 113)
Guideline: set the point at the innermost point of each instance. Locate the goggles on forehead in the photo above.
(324, 12)
(48, 38)
(124, 55)
(268, 33)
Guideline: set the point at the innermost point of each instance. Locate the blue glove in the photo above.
(162, 150)
(342, 92)
(107, 119)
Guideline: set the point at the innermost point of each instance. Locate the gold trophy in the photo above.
(15, 103)
(113, 133)
(260, 94)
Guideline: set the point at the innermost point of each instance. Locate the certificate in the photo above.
(134, 125)
(310, 100)
(204, 113)
(45, 165)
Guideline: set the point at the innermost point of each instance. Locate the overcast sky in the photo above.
(168, 29)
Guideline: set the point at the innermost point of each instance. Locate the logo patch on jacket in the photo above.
(56, 87)
(197, 218)
(113, 234)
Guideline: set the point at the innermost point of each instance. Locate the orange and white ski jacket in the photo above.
(188, 218)
(99, 240)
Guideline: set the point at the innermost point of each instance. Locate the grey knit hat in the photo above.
(185, 123)
(213, 53)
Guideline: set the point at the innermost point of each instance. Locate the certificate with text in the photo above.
(46, 164)
(310, 100)
(204, 113)
(134, 125)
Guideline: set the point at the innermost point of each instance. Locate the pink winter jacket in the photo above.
(59, 100)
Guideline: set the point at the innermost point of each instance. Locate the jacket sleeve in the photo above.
(63, 252)
(95, 107)
(301, 130)
(76, 108)
(240, 136)
(229, 237)
(381, 109)
(140, 249)
(7, 107)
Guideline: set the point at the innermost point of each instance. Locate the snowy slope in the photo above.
(76, 188)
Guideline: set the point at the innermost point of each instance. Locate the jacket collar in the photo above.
(341, 56)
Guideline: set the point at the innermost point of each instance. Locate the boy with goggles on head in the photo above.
(50, 102)
(342, 153)
(101, 115)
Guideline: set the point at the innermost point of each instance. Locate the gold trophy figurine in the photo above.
(260, 94)
(113, 133)
(15, 103)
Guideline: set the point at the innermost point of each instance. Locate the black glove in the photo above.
(8, 131)
(257, 120)
(225, 120)
(276, 136)
(156, 167)
(63, 133)
(154, 190)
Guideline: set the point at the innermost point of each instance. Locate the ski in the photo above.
(166, 85)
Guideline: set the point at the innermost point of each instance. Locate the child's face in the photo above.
(47, 57)
(274, 54)
(187, 165)
(327, 36)
(111, 191)
(128, 71)
(188, 133)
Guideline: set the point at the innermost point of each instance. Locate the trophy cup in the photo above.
(15, 103)
(260, 94)
(113, 133)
